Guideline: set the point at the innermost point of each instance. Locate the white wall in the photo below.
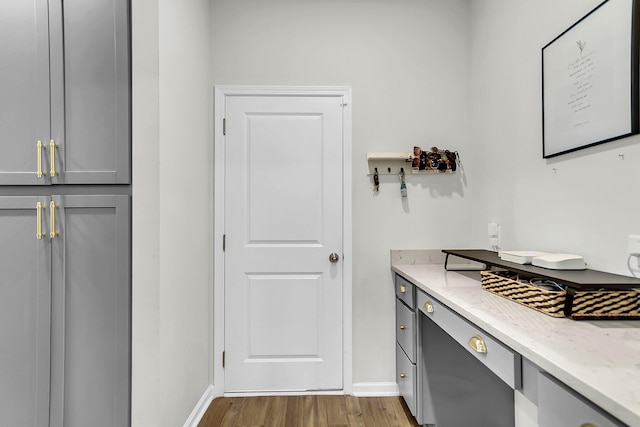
(172, 98)
(407, 62)
(145, 206)
(581, 202)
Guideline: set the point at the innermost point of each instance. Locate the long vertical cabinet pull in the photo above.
(52, 156)
(53, 232)
(39, 209)
(40, 146)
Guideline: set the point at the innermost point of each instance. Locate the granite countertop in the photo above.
(600, 359)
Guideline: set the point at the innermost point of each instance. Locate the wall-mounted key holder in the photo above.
(417, 162)
(388, 163)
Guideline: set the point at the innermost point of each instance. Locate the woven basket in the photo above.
(613, 304)
(617, 304)
(548, 302)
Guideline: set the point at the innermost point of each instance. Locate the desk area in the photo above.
(599, 360)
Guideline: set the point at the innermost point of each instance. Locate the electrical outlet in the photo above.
(493, 229)
(634, 244)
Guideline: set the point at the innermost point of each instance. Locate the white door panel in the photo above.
(283, 218)
(279, 173)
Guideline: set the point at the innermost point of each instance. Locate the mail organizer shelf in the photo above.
(585, 304)
(577, 279)
(585, 294)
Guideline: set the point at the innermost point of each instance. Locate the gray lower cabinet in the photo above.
(65, 84)
(452, 373)
(406, 345)
(466, 377)
(559, 406)
(449, 372)
(65, 296)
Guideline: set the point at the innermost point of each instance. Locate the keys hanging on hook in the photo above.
(376, 181)
(403, 186)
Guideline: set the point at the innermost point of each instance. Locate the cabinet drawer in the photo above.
(406, 329)
(406, 379)
(405, 290)
(559, 406)
(501, 360)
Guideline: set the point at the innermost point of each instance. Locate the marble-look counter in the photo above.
(599, 359)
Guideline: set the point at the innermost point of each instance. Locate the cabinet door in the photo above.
(24, 85)
(457, 388)
(25, 295)
(91, 312)
(90, 74)
(406, 379)
(559, 406)
(406, 330)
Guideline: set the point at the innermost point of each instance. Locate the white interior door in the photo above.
(283, 220)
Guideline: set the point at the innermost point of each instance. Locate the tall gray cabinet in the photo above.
(65, 215)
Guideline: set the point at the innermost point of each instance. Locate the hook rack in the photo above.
(387, 163)
(394, 163)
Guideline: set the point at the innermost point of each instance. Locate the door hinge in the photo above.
(223, 359)
(224, 126)
(224, 242)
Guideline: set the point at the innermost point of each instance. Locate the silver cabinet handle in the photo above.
(334, 257)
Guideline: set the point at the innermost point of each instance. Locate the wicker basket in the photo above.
(618, 304)
(548, 302)
(600, 304)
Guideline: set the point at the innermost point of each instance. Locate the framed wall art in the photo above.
(590, 80)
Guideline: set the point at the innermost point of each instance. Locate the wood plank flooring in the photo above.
(308, 411)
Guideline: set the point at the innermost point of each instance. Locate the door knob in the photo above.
(334, 257)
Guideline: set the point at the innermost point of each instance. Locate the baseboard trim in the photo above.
(285, 393)
(378, 389)
(200, 408)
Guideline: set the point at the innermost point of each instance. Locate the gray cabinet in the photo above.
(464, 376)
(25, 300)
(24, 78)
(90, 312)
(65, 109)
(559, 406)
(406, 371)
(444, 381)
(65, 297)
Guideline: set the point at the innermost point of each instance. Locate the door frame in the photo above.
(219, 173)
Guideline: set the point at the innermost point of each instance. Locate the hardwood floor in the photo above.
(308, 411)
